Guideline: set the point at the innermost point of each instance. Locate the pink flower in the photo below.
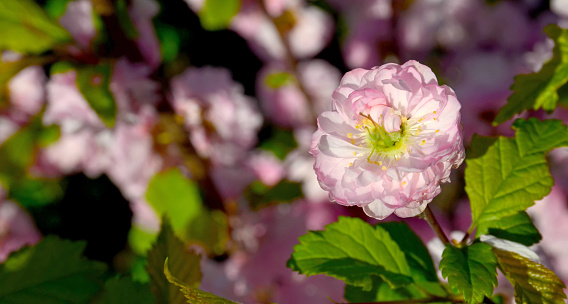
(222, 121)
(392, 137)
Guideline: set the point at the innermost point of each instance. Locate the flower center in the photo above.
(379, 139)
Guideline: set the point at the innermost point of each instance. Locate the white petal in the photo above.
(511, 247)
(377, 210)
(335, 147)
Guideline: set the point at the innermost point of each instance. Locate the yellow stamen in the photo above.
(349, 135)
(423, 142)
(384, 168)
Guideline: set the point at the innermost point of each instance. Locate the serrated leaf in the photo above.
(93, 82)
(352, 251)
(506, 175)
(517, 228)
(539, 90)
(382, 291)
(185, 265)
(533, 282)
(53, 271)
(194, 295)
(125, 291)
(217, 14)
(471, 270)
(26, 28)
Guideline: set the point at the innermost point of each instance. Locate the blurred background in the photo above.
(115, 113)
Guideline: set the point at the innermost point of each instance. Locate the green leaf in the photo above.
(53, 271)
(539, 90)
(517, 228)
(124, 19)
(279, 79)
(281, 142)
(174, 195)
(18, 152)
(194, 295)
(210, 230)
(170, 40)
(422, 268)
(259, 195)
(217, 14)
(185, 266)
(125, 291)
(471, 270)
(27, 29)
(506, 175)
(533, 282)
(352, 251)
(55, 8)
(34, 192)
(93, 82)
(382, 291)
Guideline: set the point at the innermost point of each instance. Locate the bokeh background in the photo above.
(115, 113)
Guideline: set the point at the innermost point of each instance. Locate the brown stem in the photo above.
(292, 62)
(428, 216)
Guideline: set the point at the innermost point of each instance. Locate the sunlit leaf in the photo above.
(185, 266)
(27, 29)
(93, 82)
(53, 271)
(506, 175)
(125, 291)
(352, 251)
(471, 270)
(177, 197)
(517, 228)
(217, 14)
(193, 294)
(539, 90)
(210, 230)
(533, 282)
(422, 268)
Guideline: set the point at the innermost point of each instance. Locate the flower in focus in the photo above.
(392, 137)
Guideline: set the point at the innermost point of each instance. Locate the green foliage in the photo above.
(121, 11)
(423, 271)
(177, 197)
(506, 175)
(53, 271)
(33, 192)
(280, 142)
(93, 82)
(259, 195)
(125, 291)
(170, 41)
(18, 152)
(27, 29)
(193, 295)
(185, 266)
(539, 90)
(279, 79)
(471, 270)
(358, 253)
(173, 195)
(533, 283)
(55, 8)
(210, 230)
(217, 14)
(517, 228)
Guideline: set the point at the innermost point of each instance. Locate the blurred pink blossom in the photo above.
(78, 19)
(27, 92)
(17, 229)
(222, 121)
(141, 13)
(258, 273)
(266, 167)
(392, 138)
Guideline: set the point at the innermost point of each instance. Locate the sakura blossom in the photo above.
(392, 137)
